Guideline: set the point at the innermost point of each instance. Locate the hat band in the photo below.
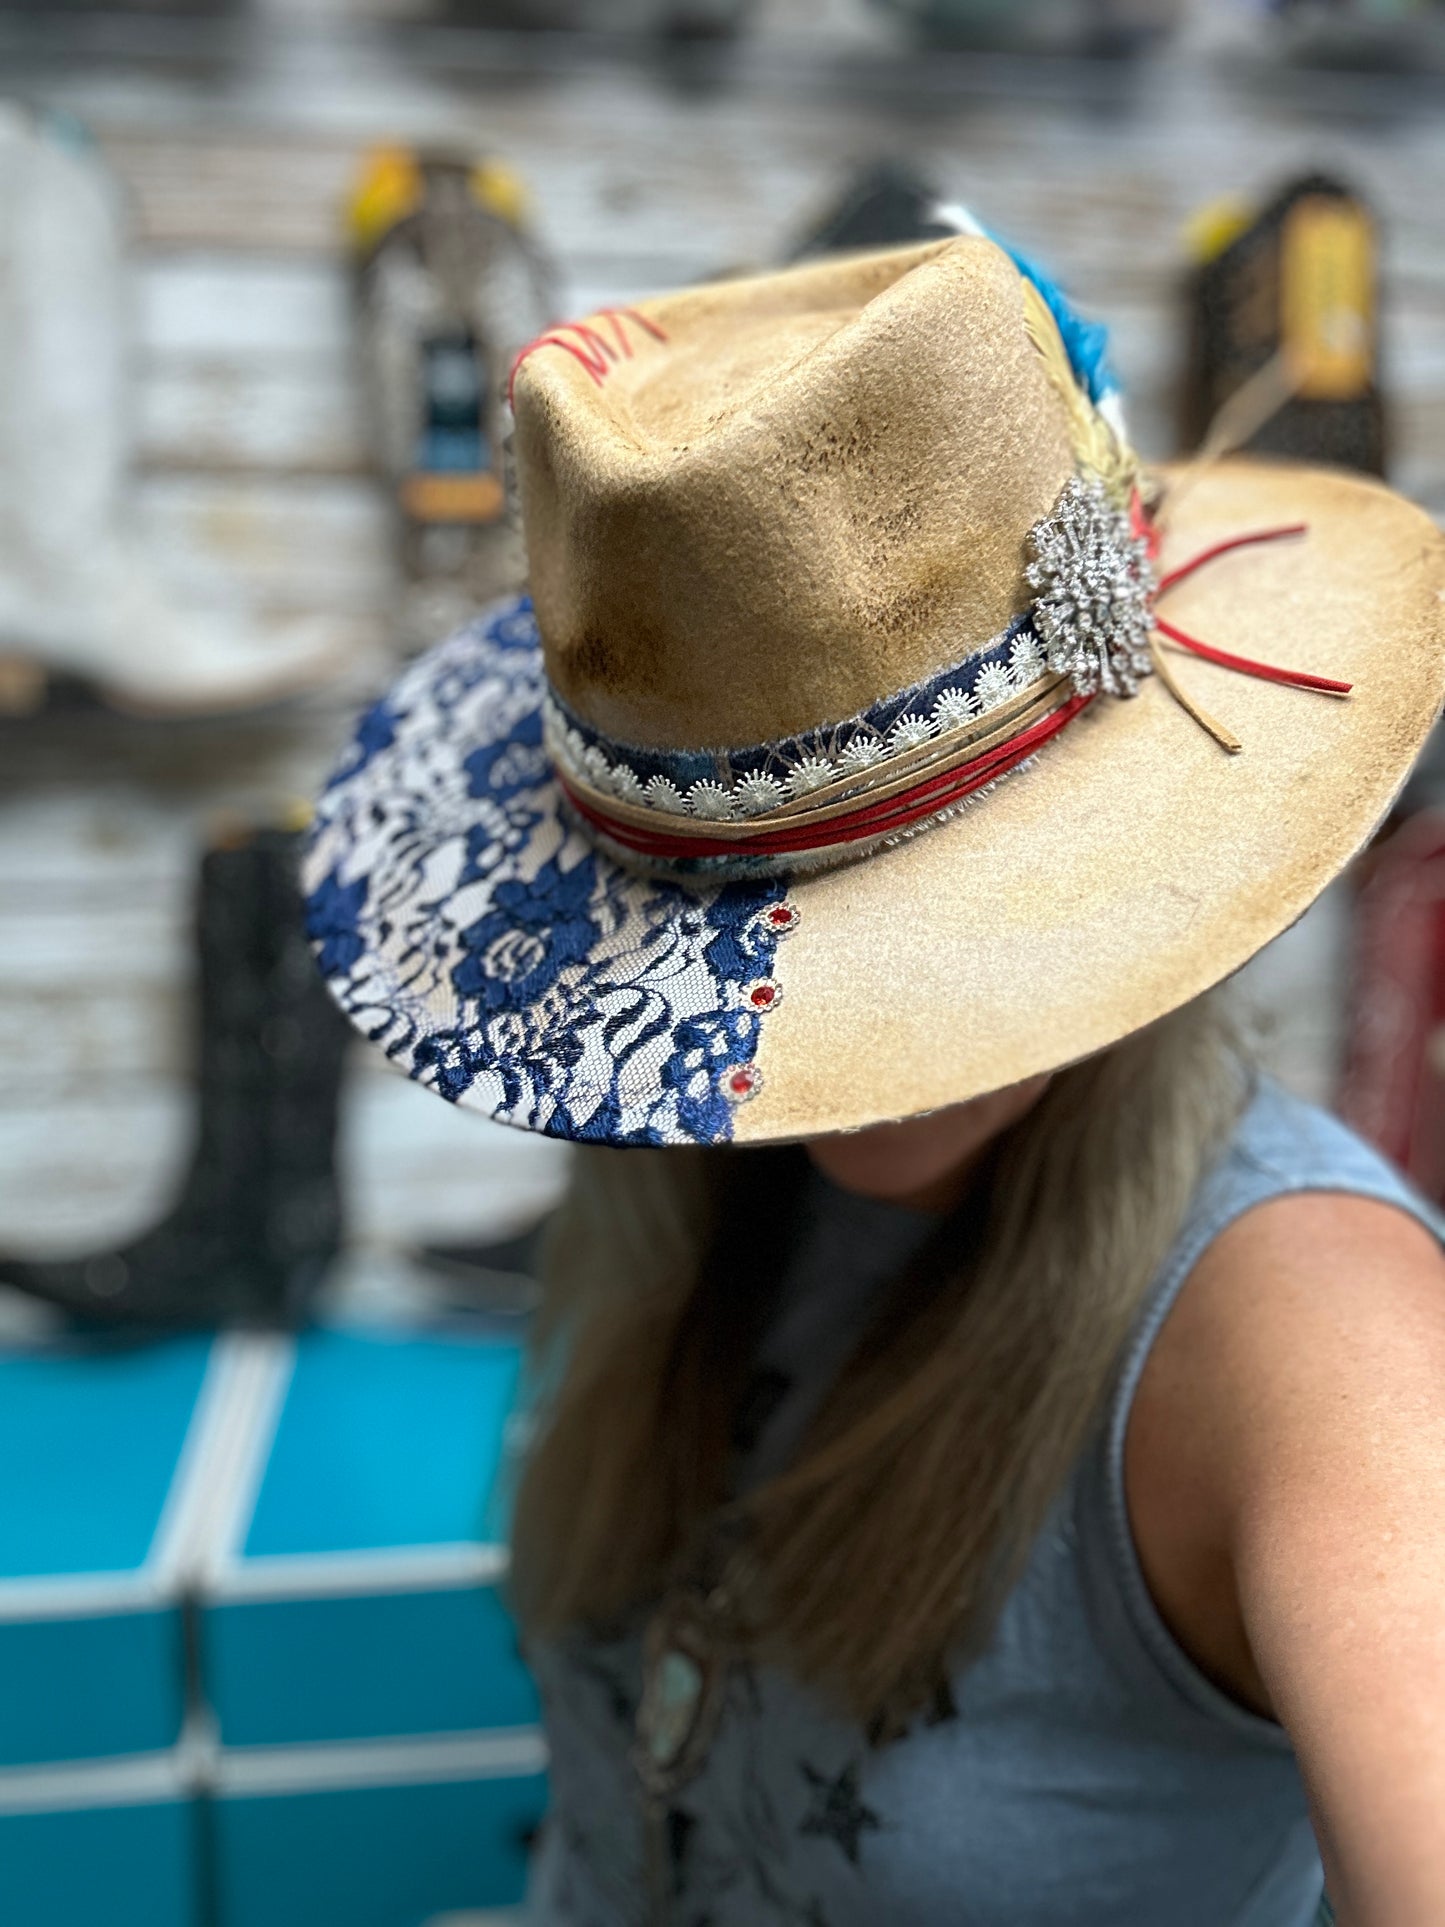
(834, 792)
(723, 786)
(916, 757)
(813, 835)
(807, 797)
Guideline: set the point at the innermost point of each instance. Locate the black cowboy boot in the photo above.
(880, 205)
(501, 1277)
(258, 1218)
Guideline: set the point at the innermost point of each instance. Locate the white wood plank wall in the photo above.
(236, 141)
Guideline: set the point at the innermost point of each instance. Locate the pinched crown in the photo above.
(762, 505)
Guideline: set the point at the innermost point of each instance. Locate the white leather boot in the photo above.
(78, 594)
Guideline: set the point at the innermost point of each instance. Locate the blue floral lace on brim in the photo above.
(492, 952)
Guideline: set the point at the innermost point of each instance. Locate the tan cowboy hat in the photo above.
(713, 839)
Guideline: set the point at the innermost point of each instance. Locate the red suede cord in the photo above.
(1295, 678)
(1225, 548)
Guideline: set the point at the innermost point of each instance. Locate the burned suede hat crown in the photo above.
(839, 492)
(681, 853)
(805, 529)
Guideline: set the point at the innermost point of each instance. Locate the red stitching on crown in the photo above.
(595, 352)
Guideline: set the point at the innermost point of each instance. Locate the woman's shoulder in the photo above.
(1302, 1324)
(1309, 1283)
(1305, 1239)
(1284, 1160)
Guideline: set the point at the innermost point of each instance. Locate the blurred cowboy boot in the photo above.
(78, 595)
(450, 285)
(881, 204)
(500, 1277)
(258, 1218)
(1284, 302)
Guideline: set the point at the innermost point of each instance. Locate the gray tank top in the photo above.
(1082, 1771)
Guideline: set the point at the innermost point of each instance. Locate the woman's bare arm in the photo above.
(1319, 1328)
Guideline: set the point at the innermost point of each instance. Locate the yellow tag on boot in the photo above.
(1327, 297)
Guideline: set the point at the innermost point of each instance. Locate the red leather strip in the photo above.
(1296, 678)
(1224, 548)
(1142, 523)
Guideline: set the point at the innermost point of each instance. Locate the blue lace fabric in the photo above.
(470, 930)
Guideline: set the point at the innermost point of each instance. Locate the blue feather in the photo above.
(1085, 342)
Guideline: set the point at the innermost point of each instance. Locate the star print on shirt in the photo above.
(837, 1813)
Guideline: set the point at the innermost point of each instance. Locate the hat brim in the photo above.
(473, 932)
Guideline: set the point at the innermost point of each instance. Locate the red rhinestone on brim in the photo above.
(745, 1081)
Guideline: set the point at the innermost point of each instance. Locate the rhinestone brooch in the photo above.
(1094, 584)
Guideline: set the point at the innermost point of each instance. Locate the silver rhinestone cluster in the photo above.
(856, 747)
(1094, 581)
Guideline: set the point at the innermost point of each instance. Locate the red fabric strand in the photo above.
(647, 327)
(1296, 678)
(556, 341)
(598, 343)
(1225, 548)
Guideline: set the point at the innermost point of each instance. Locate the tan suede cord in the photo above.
(1208, 723)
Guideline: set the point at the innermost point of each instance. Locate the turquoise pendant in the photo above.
(684, 1671)
(676, 1700)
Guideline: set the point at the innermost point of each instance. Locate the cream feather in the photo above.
(1094, 442)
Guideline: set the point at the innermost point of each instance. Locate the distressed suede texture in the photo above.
(815, 491)
(774, 502)
(1134, 864)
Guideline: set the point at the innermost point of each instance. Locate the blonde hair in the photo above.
(887, 1548)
